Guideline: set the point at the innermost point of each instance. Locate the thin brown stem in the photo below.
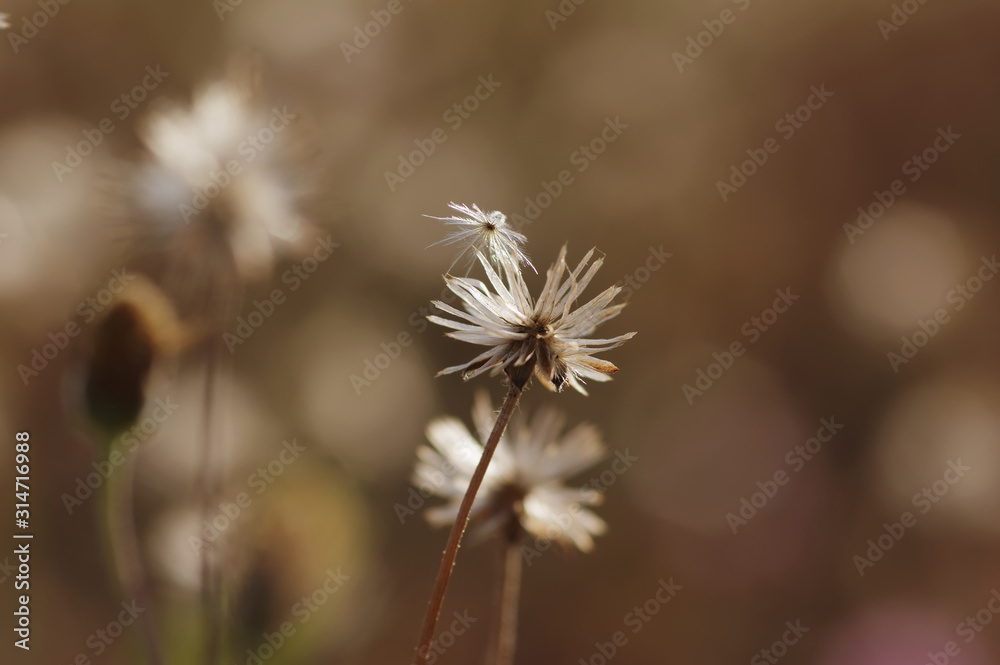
(505, 637)
(210, 576)
(461, 522)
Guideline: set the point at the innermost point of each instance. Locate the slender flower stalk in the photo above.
(125, 550)
(211, 593)
(461, 523)
(509, 595)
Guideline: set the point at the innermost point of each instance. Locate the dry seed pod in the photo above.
(137, 329)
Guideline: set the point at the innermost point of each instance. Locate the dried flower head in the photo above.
(547, 336)
(216, 181)
(133, 333)
(484, 232)
(525, 478)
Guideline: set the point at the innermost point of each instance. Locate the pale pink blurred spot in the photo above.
(899, 634)
(702, 460)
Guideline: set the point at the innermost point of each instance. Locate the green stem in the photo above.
(126, 553)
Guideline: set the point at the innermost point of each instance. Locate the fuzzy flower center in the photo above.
(536, 329)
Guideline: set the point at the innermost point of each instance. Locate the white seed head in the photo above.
(547, 336)
(212, 182)
(524, 479)
(487, 232)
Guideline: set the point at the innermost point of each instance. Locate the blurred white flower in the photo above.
(486, 232)
(215, 180)
(547, 336)
(524, 479)
(4, 24)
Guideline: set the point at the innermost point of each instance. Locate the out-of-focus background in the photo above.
(653, 111)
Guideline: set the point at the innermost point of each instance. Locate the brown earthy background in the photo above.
(654, 189)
